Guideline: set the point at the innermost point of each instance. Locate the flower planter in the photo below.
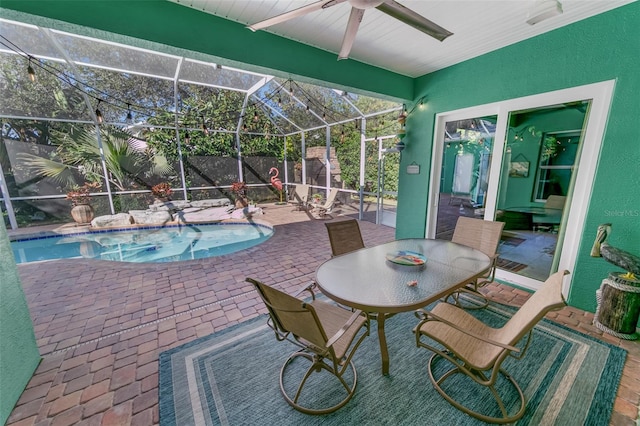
(82, 213)
(241, 203)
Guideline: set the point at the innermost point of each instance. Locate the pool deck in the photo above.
(100, 325)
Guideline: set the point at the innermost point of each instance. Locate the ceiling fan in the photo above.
(390, 7)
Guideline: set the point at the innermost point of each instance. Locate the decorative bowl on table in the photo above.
(406, 257)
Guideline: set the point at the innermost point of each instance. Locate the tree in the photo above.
(78, 154)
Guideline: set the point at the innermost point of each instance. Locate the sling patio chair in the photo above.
(473, 352)
(552, 216)
(328, 337)
(344, 236)
(300, 196)
(323, 209)
(481, 235)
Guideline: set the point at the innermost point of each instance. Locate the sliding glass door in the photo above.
(536, 185)
(464, 171)
(527, 162)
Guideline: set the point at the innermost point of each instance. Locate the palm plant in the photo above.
(78, 152)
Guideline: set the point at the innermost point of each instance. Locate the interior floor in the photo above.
(528, 253)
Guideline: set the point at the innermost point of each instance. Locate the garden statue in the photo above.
(619, 294)
(276, 182)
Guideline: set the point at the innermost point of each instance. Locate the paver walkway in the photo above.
(101, 325)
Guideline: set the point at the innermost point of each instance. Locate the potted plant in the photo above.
(161, 192)
(80, 197)
(240, 190)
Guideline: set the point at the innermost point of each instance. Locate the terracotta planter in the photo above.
(82, 213)
(241, 203)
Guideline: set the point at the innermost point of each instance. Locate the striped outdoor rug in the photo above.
(231, 378)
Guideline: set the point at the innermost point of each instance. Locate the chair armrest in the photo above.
(344, 328)
(426, 316)
(308, 288)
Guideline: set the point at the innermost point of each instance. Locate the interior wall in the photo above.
(520, 191)
(19, 355)
(600, 48)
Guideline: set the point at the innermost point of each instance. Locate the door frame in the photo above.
(573, 218)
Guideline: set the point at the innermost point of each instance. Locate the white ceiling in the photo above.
(479, 27)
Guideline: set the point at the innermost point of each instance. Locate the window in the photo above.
(557, 158)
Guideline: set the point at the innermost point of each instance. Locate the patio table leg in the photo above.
(383, 343)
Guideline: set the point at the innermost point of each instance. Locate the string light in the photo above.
(204, 127)
(120, 103)
(99, 113)
(31, 72)
(117, 103)
(129, 115)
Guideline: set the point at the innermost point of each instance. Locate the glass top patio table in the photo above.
(364, 279)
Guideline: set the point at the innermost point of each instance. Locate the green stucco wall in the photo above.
(597, 49)
(181, 27)
(19, 354)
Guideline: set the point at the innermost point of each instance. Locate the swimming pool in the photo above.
(147, 244)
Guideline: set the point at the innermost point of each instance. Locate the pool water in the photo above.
(151, 244)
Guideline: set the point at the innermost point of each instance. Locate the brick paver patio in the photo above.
(101, 325)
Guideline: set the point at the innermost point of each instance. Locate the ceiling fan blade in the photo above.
(411, 18)
(350, 34)
(322, 4)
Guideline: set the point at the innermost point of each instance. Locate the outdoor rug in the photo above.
(510, 265)
(512, 241)
(232, 378)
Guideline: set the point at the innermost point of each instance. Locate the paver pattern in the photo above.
(101, 325)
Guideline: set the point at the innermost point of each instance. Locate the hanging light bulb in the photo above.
(255, 116)
(99, 113)
(204, 127)
(279, 99)
(291, 88)
(324, 114)
(31, 72)
(244, 127)
(342, 136)
(356, 123)
(187, 138)
(129, 115)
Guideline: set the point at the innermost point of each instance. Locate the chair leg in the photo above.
(456, 299)
(317, 366)
(480, 379)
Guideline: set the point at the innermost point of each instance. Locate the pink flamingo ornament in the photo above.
(275, 181)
